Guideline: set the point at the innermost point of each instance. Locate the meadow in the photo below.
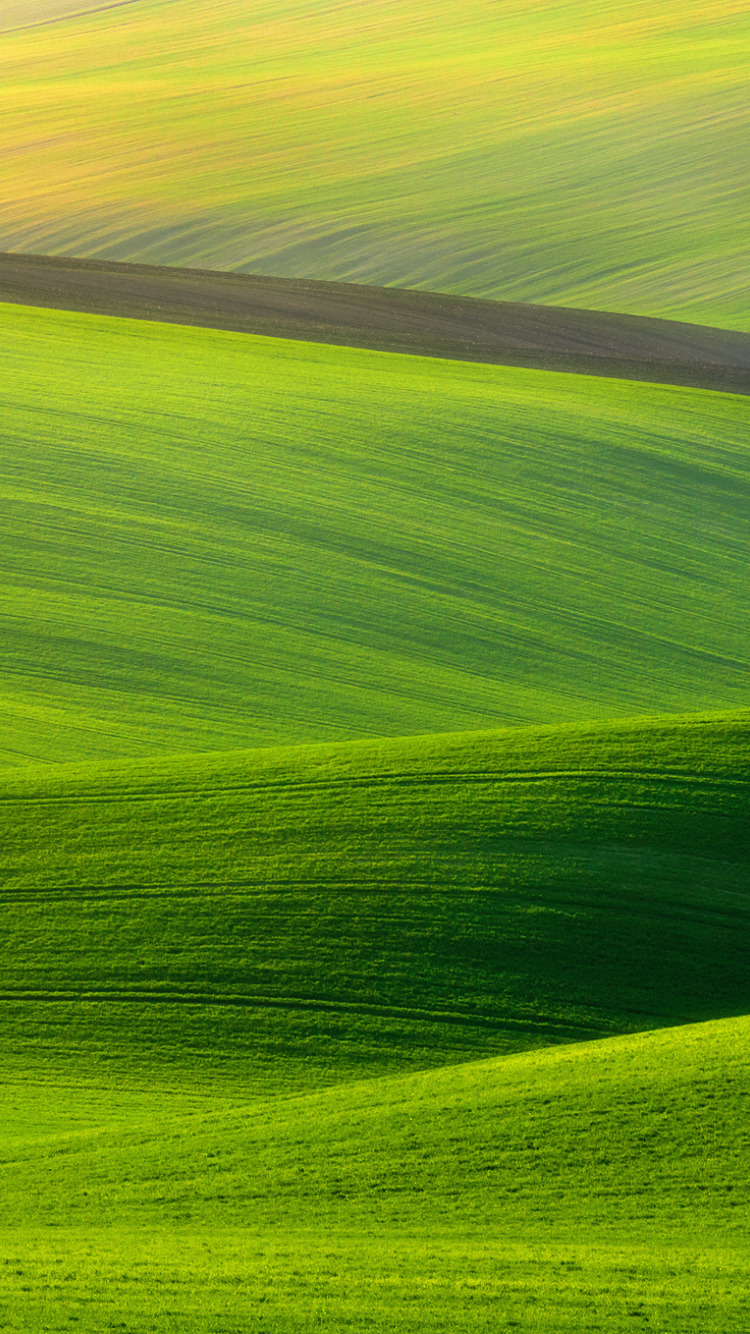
(565, 154)
(589, 1187)
(268, 921)
(374, 729)
(215, 541)
(374, 853)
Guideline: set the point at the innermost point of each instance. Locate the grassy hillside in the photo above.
(288, 918)
(214, 541)
(374, 730)
(574, 154)
(591, 1187)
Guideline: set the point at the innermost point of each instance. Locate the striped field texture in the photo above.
(290, 918)
(213, 540)
(569, 153)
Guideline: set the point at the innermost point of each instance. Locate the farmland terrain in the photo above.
(374, 728)
(585, 1187)
(389, 319)
(560, 154)
(215, 540)
(31, 13)
(309, 1020)
(292, 917)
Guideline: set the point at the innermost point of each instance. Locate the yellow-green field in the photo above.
(557, 153)
(374, 729)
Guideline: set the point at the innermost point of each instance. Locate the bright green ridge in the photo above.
(599, 1186)
(579, 154)
(285, 919)
(213, 541)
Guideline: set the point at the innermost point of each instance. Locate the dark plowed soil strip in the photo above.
(389, 319)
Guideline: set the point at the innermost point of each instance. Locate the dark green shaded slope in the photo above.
(295, 917)
(599, 1186)
(214, 541)
(390, 319)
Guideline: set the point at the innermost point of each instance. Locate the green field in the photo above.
(374, 841)
(210, 959)
(215, 541)
(574, 154)
(278, 919)
(374, 728)
(590, 1187)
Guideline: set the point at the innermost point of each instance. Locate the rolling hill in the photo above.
(307, 1022)
(588, 1187)
(562, 154)
(374, 728)
(283, 919)
(215, 541)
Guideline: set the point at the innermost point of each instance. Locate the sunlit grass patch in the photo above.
(578, 154)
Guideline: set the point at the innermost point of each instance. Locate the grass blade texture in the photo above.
(579, 1188)
(289, 918)
(217, 1157)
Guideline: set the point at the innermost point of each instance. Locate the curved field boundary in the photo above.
(430, 324)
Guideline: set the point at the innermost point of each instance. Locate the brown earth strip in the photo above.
(389, 319)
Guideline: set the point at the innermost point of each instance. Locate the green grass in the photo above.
(298, 1036)
(577, 154)
(214, 541)
(586, 1188)
(285, 919)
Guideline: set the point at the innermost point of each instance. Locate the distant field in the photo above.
(601, 1186)
(567, 154)
(284, 919)
(212, 540)
(31, 13)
